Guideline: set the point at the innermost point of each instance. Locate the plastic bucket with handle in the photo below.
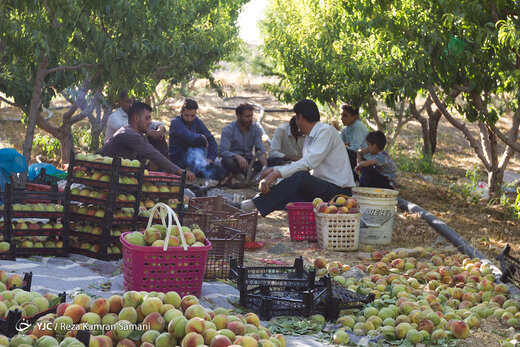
(378, 207)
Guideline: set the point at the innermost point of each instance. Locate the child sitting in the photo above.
(378, 169)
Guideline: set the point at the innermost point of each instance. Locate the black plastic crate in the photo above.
(14, 319)
(509, 266)
(269, 302)
(226, 243)
(339, 298)
(284, 276)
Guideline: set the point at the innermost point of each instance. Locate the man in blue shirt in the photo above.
(237, 142)
(192, 145)
(353, 134)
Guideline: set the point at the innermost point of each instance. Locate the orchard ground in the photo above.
(488, 228)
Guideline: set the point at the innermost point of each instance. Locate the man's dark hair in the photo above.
(123, 93)
(292, 123)
(308, 109)
(189, 104)
(137, 108)
(353, 111)
(242, 107)
(377, 138)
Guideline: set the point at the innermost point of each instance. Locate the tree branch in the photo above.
(8, 102)
(511, 141)
(461, 126)
(90, 107)
(69, 68)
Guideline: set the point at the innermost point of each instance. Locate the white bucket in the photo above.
(378, 207)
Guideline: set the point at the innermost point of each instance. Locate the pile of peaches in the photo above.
(341, 204)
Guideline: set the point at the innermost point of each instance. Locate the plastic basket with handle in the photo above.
(302, 222)
(180, 269)
(338, 231)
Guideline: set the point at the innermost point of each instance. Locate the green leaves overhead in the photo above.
(126, 44)
(355, 50)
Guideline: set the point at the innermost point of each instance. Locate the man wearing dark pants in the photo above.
(323, 152)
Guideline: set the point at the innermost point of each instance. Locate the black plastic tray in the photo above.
(509, 266)
(269, 302)
(285, 276)
(9, 324)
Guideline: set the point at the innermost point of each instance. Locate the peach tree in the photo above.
(98, 48)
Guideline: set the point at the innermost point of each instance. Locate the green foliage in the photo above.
(48, 145)
(417, 162)
(517, 203)
(469, 190)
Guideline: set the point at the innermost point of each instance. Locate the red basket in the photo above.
(302, 221)
(152, 269)
(155, 269)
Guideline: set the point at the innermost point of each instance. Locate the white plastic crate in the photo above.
(338, 232)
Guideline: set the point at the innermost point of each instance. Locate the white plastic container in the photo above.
(378, 207)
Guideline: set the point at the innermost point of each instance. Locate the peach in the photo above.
(165, 340)
(192, 340)
(150, 336)
(150, 305)
(322, 207)
(131, 299)
(177, 327)
(109, 318)
(100, 341)
(129, 314)
(226, 332)
(199, 235)
(82, 300)
(75, 312)
(190, 238)
(61, 308)
(170, 314)
(126, 343)
(281, 339)
(195, 324)
(100, 306)
(237, 327)
(115, 303)
(62, 324)
(40, 330)
(245, 341)
(15, 281)
(221, 321)
(187, 301)
(252, 318)
(151, 235)
(220, 341)
(91, 318)
(320, 263)
(460, 329)
(155, 321)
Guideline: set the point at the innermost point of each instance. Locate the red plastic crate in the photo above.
(152, 269)
(302, 221)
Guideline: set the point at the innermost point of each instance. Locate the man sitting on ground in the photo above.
(192, 145)
(129, 143)
(119, 118)
(287, 143)
(354, 133)
(377, 170)
(323, 153)
(237, 142)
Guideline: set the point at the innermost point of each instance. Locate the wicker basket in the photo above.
(338, 232)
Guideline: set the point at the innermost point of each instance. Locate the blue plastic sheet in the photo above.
(34, 171)
(10, 162)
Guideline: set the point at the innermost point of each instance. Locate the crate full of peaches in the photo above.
(337, 205)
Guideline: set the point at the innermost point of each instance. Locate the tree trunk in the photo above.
(495, 179)
(95, 134)
(34, 109)
(67, 142)
(433, 125)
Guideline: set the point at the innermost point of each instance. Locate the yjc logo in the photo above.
(22, 326)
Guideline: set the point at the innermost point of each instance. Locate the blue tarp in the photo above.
(10, 161)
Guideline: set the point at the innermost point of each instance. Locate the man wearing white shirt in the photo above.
(324, 170)
(287, 143)
(119, 118)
